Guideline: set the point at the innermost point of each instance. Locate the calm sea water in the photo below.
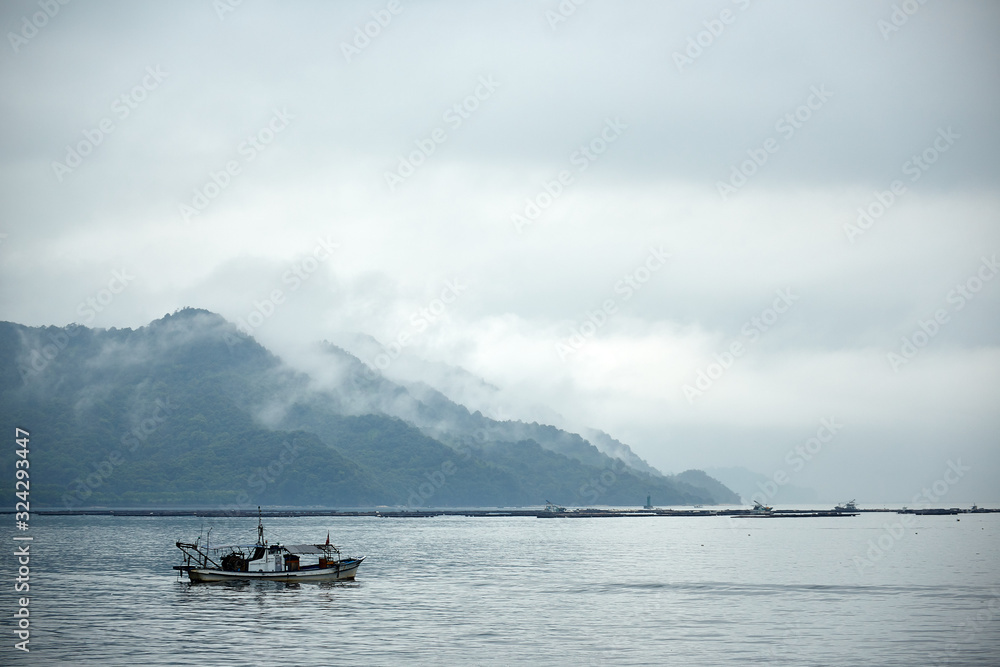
(458, 591)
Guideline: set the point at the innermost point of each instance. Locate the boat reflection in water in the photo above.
(274, 562)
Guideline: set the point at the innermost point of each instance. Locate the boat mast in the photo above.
(260, 528)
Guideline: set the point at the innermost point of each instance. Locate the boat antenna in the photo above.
(260, 528)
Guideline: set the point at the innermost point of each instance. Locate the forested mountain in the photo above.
(189, 411)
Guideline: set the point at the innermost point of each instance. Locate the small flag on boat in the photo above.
(328, 538)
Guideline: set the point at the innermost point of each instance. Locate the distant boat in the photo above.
(552, 507)
(275, 562)
(761, 508)
(849, 506)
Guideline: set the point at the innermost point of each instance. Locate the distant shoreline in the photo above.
(500, 512)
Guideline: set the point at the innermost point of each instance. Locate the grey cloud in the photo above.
(657, 184)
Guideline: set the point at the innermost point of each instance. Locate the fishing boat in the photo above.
(552, 507)
(274, 562)
(761, 508)
(849, 506)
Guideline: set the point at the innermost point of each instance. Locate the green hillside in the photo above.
(187, 411)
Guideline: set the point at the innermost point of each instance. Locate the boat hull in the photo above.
(345, 570)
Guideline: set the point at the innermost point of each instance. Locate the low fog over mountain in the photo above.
(190, 410)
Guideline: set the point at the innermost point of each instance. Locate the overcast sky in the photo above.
(738, 138)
